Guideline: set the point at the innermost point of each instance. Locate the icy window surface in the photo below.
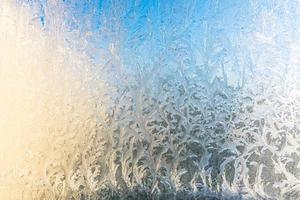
(149, 99)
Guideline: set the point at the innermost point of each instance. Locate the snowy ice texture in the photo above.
(150, 99)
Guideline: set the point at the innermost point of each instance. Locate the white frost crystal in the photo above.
(150, 99)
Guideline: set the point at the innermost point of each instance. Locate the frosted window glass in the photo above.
(139, 99)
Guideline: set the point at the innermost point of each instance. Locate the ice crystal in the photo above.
(150, 99)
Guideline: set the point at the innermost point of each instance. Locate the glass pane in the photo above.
(149, 99)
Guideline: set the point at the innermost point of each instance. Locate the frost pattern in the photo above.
(159, 99)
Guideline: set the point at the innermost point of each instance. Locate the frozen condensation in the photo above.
(149, 99)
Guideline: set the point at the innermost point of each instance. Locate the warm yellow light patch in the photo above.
(39, 93)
